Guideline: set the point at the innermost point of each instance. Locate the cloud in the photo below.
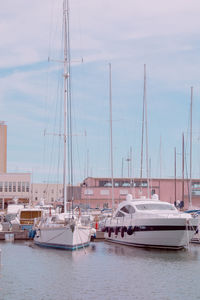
(162, 34)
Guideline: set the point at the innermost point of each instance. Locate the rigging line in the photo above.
(53, 139)
(60, 129)
(56, 236)
(57, 96)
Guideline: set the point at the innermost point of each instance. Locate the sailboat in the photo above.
(64, 230)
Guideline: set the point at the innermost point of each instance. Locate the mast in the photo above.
(146, 129)
(175, 174)
(142, 144)
(111, 143)
(183, 157)
(190, 196)
(66, 92)
(160, 157)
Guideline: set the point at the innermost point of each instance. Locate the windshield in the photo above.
(155, 206)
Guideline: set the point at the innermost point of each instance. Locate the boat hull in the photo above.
(155, 233)
(63, 237)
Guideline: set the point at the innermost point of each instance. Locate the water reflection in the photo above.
(187, 254)
(101, 271)
(75, 255)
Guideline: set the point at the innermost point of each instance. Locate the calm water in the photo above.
(105, 271)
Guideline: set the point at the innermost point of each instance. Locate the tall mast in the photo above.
(160, 157)
(66, 88)
(111, 143)
(146, 129)
(191, 100)
(183, 160)
(142, 144)
(175, 174)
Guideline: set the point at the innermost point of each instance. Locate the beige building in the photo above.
(14, 186)
(47, 193)
(3, 147)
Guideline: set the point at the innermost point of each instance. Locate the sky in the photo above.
(164, 35)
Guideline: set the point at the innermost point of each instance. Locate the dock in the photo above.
(14, 235)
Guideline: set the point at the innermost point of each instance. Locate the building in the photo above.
(3, 147)
(53, 192)
(14, 186)
(97, 192)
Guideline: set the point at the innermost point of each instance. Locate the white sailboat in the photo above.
(64, 230)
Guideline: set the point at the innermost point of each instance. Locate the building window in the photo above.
(14, 186)
(19, 186)
(195, 184)
(23, 187)
(52, 199)
(10, 186)
(36, 198)
(52, 191)
(104, 192)
(6, 186)
(123, 192)
(88, 192)
(27, 187)
(105, 183)
(1, 186)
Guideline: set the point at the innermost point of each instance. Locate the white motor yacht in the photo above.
(150, 223)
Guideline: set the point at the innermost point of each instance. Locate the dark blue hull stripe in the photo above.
(64, 247)
(153, 228)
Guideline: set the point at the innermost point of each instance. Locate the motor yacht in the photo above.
(150, 223)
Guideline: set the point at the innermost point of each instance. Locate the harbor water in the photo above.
(101, 271)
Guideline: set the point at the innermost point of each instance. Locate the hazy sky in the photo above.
(164, 35)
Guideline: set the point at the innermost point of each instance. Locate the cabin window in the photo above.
(128, 209)
(119, 214)
(155, 206)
